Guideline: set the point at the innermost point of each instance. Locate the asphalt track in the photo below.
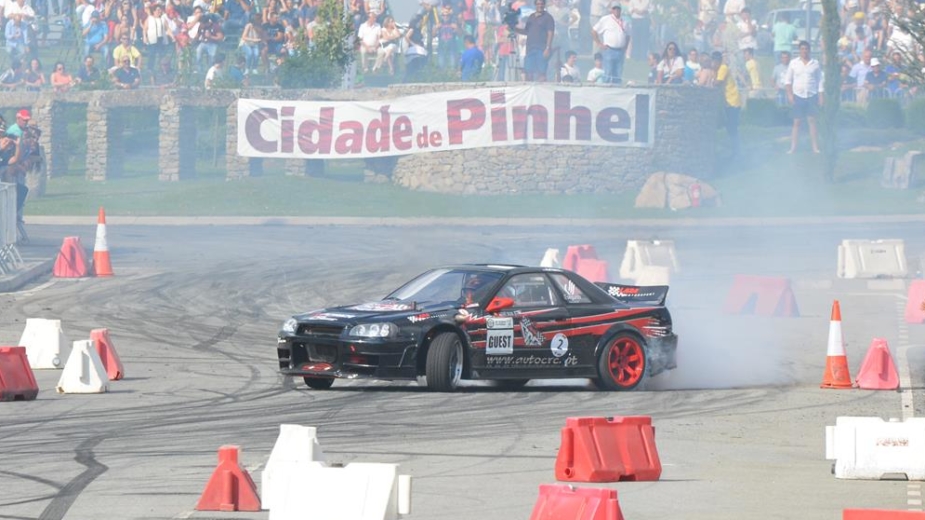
(193, 312)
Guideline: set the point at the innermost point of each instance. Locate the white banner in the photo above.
(454, 120)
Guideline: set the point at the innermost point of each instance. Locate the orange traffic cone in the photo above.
(836, 361)
(101, 264)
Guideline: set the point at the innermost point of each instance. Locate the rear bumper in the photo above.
(342, 359)
(662, 354)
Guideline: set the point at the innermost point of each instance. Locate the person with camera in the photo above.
(14, 150)
(210, 36)
(540, 29)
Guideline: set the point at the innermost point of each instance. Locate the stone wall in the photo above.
(685, 130)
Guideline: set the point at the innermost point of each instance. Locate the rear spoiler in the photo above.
(635, 295)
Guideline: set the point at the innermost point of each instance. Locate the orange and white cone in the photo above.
(836, 361)
(101, 263)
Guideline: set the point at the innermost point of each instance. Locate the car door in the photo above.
(528, 338)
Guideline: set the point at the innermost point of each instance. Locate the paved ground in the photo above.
(193, 312)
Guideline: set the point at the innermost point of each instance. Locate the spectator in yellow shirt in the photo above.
(732, 100)
(127, 50)
(751, 67)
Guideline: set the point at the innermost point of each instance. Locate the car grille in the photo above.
(322, 353)
(321, 331)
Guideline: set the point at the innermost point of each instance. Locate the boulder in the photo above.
(673, 190)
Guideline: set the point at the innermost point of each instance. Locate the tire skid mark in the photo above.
(65, 498)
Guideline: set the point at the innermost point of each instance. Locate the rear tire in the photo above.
(444, 362)
(623, 364)
(319, 383)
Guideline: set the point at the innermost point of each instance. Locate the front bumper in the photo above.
(379, 359)
(662, 354)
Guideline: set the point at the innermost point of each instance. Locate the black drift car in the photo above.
(492, 322)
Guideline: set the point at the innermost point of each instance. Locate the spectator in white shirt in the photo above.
(610, 33)
(569, 72)
(804, 91)
(671, 69)
(779, 78)
(368, 33)
(859, 75)
(748, 30)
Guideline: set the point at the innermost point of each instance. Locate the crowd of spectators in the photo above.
(132, 43)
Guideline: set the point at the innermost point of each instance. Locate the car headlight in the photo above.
(290, 325)
(374, 330)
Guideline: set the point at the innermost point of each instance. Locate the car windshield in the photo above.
(447, 285)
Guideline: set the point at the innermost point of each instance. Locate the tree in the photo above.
(322, 62)
(831, 30)
(907, 36)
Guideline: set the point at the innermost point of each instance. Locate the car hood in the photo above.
(385, 310)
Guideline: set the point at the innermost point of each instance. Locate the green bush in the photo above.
(765, 112)
(851, 115)
(915, 116)
(884, 113)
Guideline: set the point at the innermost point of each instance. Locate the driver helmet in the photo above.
(473, 283)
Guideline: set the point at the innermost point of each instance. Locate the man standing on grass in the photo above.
(732, 100)
(611, 36)
(540, 29)
(804, 92)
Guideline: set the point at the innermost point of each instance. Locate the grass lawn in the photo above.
(767, 182)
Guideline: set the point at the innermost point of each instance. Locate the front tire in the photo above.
(319, 383)
(623, 364)
(444, 362)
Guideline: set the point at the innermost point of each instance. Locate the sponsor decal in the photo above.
(500, 336)
(532, 335)
(383, 306)
(420, 317)
(625, 292)
(452, 120)
(893, 442)
(559, 345)
(530, 361)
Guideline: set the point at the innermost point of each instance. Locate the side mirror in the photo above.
(499, 304)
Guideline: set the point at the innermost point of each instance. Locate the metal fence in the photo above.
(9, 256)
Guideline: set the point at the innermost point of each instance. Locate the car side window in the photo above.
(529, 290)
(571, 291)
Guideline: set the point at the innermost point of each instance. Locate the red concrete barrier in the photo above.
(108, 354)
(593, 270)
(72, 259)
(575, 254)
(230, 488)
(17, 382)
(608, 449)
(881, 514)
(562, 502)
(762, 295)
(915, 304)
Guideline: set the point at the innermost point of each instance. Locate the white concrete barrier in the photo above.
(641, 254)
(653, 275)
(7, 214)
(357, 491)
(296, 447)
(869, 448)
(872, 259)
(83, 373)
(45, 342)
(551, 258)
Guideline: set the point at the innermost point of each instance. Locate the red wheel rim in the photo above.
(626, 361)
